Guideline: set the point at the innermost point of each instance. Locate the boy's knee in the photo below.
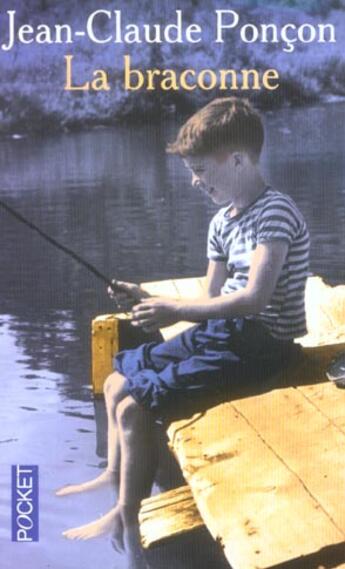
(127, 412)
(113, 384)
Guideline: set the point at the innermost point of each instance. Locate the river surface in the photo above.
(115, 197)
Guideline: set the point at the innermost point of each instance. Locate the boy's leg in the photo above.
(136, 429)
(114, 392)
(137, 432)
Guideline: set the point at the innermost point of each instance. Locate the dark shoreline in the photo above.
(33, 98)
(43, 105)
(36, 121)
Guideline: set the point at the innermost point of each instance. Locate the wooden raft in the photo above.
(168, 515)
(267, 472)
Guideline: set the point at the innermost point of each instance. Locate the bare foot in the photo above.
(110, 523)
(122, 524)
(107, 478)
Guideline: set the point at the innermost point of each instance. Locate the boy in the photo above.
(258, 260)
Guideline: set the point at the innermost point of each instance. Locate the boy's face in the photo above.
(215, 174)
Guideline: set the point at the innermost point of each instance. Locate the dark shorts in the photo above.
(211, 362)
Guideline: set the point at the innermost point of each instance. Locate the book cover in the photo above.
(91, 93)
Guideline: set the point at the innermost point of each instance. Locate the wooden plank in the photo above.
(104, 343)
(329, 400)
(167, 516)
(249, 499)
(305, 441)
(309, 376)
(189, 288)
(166, 498)
(160, 288)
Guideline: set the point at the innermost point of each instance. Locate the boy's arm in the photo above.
(267, 262)
(216, 277)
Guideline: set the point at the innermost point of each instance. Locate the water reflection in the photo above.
(119, 200)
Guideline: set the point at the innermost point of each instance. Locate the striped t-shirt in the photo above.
(272, 216)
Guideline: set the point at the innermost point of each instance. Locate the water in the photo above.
(116, 198)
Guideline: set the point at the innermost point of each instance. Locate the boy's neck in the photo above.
(250, 190)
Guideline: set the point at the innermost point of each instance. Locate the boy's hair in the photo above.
(227, 123)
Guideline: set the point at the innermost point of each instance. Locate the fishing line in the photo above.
(58, 245)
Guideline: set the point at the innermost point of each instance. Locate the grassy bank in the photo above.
(32, 95)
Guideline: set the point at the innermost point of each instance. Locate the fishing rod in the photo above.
(78, 258)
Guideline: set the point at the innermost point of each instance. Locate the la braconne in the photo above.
(189, 79)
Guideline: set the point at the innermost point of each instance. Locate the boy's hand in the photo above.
(154, 313)
(126, 295)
